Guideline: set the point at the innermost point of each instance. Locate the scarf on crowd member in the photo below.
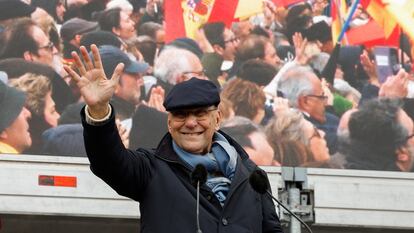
(222, 159)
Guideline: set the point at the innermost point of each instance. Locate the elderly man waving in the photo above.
(160, 179)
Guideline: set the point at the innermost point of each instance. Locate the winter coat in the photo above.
(160, 181)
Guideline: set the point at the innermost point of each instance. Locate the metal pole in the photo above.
(294, 200)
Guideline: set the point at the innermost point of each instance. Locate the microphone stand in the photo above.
(198, 208)
(290, 212)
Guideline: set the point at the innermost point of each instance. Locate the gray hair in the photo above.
(294, 83)
(171, 63)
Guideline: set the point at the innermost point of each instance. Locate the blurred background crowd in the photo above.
(292, 95)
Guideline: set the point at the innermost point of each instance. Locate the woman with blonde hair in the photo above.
(39, 102)
(290, 125)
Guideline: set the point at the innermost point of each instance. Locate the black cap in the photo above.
(10, 9)
(12, 102)
(192, 94)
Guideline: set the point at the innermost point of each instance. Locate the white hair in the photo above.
(124, 5)
(295, 82)
(172, 62)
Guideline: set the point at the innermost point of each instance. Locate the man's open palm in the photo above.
(94, 86)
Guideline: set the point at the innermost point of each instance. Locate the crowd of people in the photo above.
(276, 100)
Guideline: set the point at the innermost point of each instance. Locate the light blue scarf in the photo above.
(223, 157)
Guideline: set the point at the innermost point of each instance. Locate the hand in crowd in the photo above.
(300, 46)
(152, 7)
(123, 133)
(395, 86)
(95, 88)
(327, 92)
(280, 105)
(370, 69)
(156, 99)
(269, 12)
(203, 42)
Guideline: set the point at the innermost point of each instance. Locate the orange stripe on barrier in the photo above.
(62, 181)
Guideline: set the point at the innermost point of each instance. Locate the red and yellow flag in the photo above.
(339, 9)
(184, 17)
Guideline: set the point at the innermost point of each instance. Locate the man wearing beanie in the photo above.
(14, 128)
(160, 179)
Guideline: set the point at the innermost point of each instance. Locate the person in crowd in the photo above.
(290, 126)
(304, 91)
(10, 10)
(39, 102)
(255, 47)
(14, 128)
(155, 31)
(380, 137)
(100, 38)
(252, 138)
(55, 8)
(224, 44)
(222, 39)
(24, 39)
(118, 22)
(257, 71)
(71, 33)
(247, 98)
(128, 92)
(172, 71)
(155, 178)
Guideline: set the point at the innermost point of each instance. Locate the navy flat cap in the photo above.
(192, 94)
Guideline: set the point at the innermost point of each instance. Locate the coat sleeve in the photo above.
(126, 171)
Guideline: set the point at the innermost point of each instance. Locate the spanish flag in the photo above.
(339, 9)
(184, 17)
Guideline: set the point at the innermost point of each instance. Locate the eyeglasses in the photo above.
(49, 46)
(200, 114)
(231, 40)
(194, 73)
(321, 97)
(409, 137)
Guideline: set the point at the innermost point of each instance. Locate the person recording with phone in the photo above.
(161, 179)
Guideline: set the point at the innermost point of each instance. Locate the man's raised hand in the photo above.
(95, 88)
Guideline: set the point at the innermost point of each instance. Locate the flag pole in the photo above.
(347, 21)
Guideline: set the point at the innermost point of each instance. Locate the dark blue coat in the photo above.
(160, 182)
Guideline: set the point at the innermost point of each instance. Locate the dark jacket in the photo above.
(160, 181)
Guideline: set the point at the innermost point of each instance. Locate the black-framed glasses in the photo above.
(200, 114)
(409, 137)
(49, 46)
(321, 97)
(232, 40)
(197, 73)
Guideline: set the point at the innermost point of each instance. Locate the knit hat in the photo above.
(12, 102)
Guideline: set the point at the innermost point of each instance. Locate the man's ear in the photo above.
(77, 39)
(116, 31)
(218, 120)
(28, 56)
(169, 122)
(303, 103)
(218, 49)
